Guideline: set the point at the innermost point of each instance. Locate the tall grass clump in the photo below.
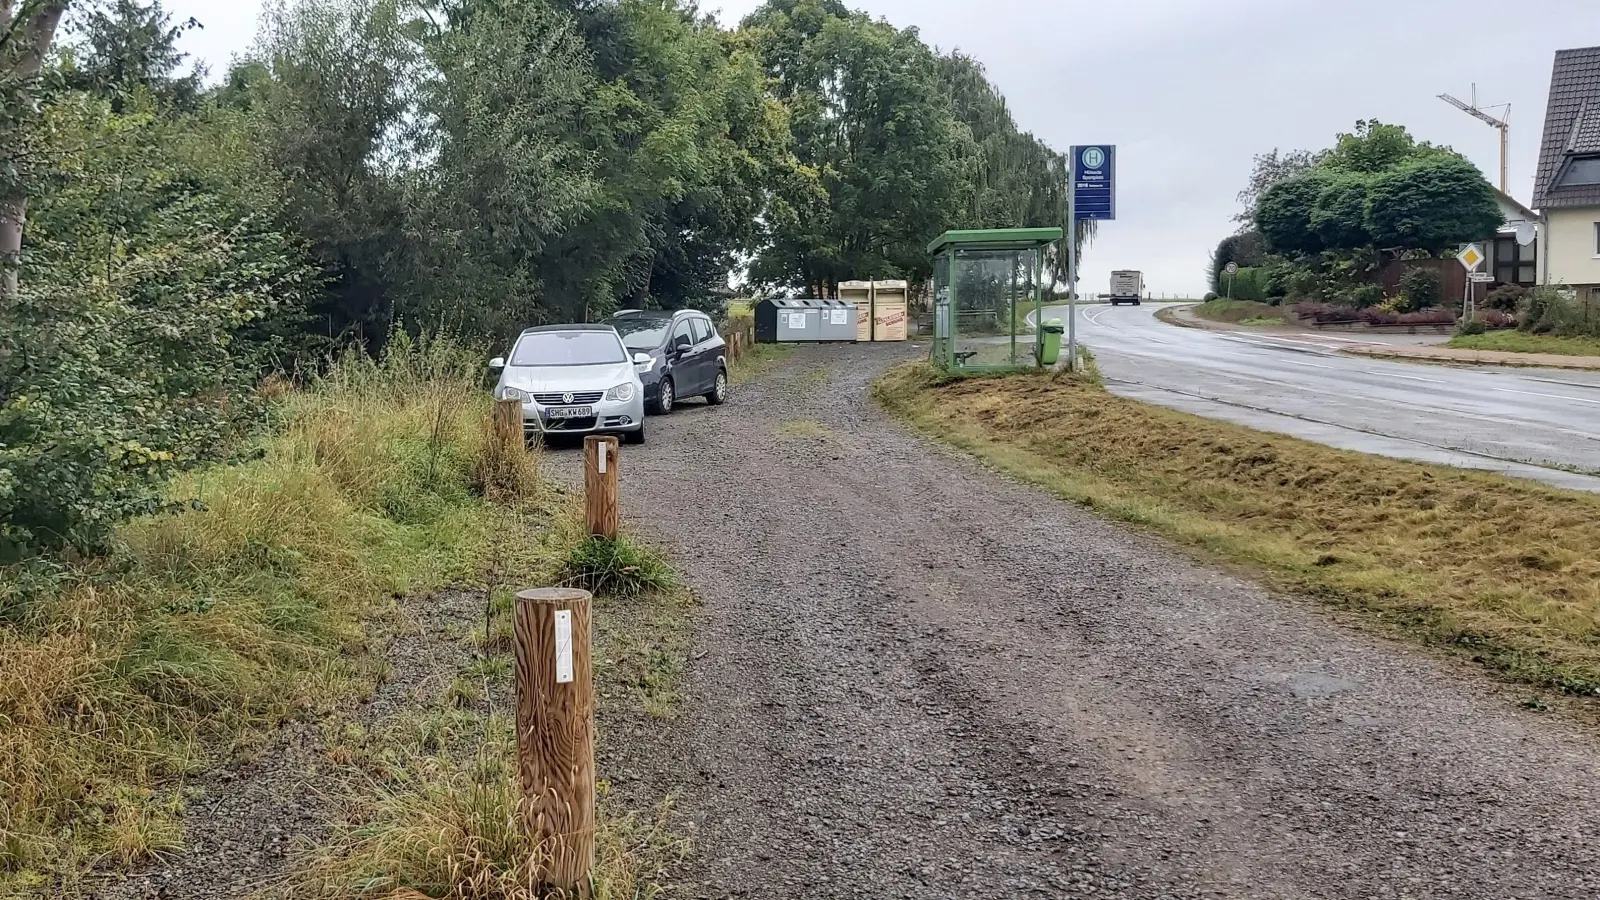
(453, 830)
(240, 608)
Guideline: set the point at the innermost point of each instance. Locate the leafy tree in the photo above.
(870, 115)
(1284, 214)
(1375, 147)
(1433, 203)
(1339, 215)
(330, 116)
(509, 174)
(124, 44)
(1267, 170)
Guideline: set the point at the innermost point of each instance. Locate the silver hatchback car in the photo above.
(574, 379)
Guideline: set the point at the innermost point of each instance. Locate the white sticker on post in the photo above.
(564, 645)
(601, 453)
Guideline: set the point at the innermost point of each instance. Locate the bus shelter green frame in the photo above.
(947, 252)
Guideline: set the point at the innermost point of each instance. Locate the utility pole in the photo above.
(1502, 124)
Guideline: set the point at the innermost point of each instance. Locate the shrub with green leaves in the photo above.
(1420, 288)
(1551, 309)
(143, 316)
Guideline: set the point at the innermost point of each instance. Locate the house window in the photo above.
(1581, 172)
(1514, 263)
(1597, 239)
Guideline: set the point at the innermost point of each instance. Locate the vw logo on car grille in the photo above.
(567, 397)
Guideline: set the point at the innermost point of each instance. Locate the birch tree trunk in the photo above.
(26, 29)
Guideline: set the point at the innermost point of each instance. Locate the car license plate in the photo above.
(571, 412)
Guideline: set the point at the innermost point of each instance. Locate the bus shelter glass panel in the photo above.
(995, 307)
(943, 319)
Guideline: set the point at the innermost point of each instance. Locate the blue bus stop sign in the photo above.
(1094, 182)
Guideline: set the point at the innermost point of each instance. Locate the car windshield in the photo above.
(642, 332)
(568, 348)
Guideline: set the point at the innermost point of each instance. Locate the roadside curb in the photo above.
(1171, 317)
(1480, 358)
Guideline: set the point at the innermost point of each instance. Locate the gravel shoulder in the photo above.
(916, 678)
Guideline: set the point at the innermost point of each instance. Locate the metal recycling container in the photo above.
(788, 321)
(839, 320)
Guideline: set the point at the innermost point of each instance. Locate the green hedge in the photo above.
(1249, 284)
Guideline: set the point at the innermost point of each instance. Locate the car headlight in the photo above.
(622, 392)
(644, 368)
(511, 393)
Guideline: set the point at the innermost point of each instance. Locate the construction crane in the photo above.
(1502, 124)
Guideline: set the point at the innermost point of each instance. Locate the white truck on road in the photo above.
(1127, 287)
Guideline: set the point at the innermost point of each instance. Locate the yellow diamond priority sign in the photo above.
(1471, 257)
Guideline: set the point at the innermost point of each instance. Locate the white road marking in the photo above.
(1551, 396)
(1406, 377)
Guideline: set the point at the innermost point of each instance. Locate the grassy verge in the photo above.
(1511, 341)
(756, 360)
(441, 816)
(125, 678)
(1500, 570)
(1241, 312)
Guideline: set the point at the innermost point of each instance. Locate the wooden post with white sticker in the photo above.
(600, 458)
(555, 735)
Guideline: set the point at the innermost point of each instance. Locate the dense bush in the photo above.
(1247, 284)
(1365, 295)
(1420, 288)
(1506, 298)
(1557, 311)
(148, 305)
(1475, 326)
(1341, 314)
(1246, 250)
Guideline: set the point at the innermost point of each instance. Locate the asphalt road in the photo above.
(903, 687)
(1539, 424)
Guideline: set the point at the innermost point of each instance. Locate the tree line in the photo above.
(169, 236)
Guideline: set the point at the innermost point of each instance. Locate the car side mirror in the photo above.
(499, 362)
(681, 347)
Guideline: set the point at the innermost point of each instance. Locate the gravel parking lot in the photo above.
(915, 678)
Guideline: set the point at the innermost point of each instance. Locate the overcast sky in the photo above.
(1189, 91)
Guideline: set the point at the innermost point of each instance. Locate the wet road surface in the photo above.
(1540, 424)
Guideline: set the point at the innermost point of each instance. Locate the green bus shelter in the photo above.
(988, 296)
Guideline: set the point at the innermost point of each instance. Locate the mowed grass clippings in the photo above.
(1502, 570)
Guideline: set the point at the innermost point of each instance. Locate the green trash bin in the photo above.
(1050, 342)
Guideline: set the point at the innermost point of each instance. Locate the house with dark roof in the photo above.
(1567, 188)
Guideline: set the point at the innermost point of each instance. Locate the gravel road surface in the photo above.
(915, 678)
(1542, 424)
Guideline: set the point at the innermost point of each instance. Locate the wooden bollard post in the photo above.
(555, 734)
(600, 458)
(508, 423)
